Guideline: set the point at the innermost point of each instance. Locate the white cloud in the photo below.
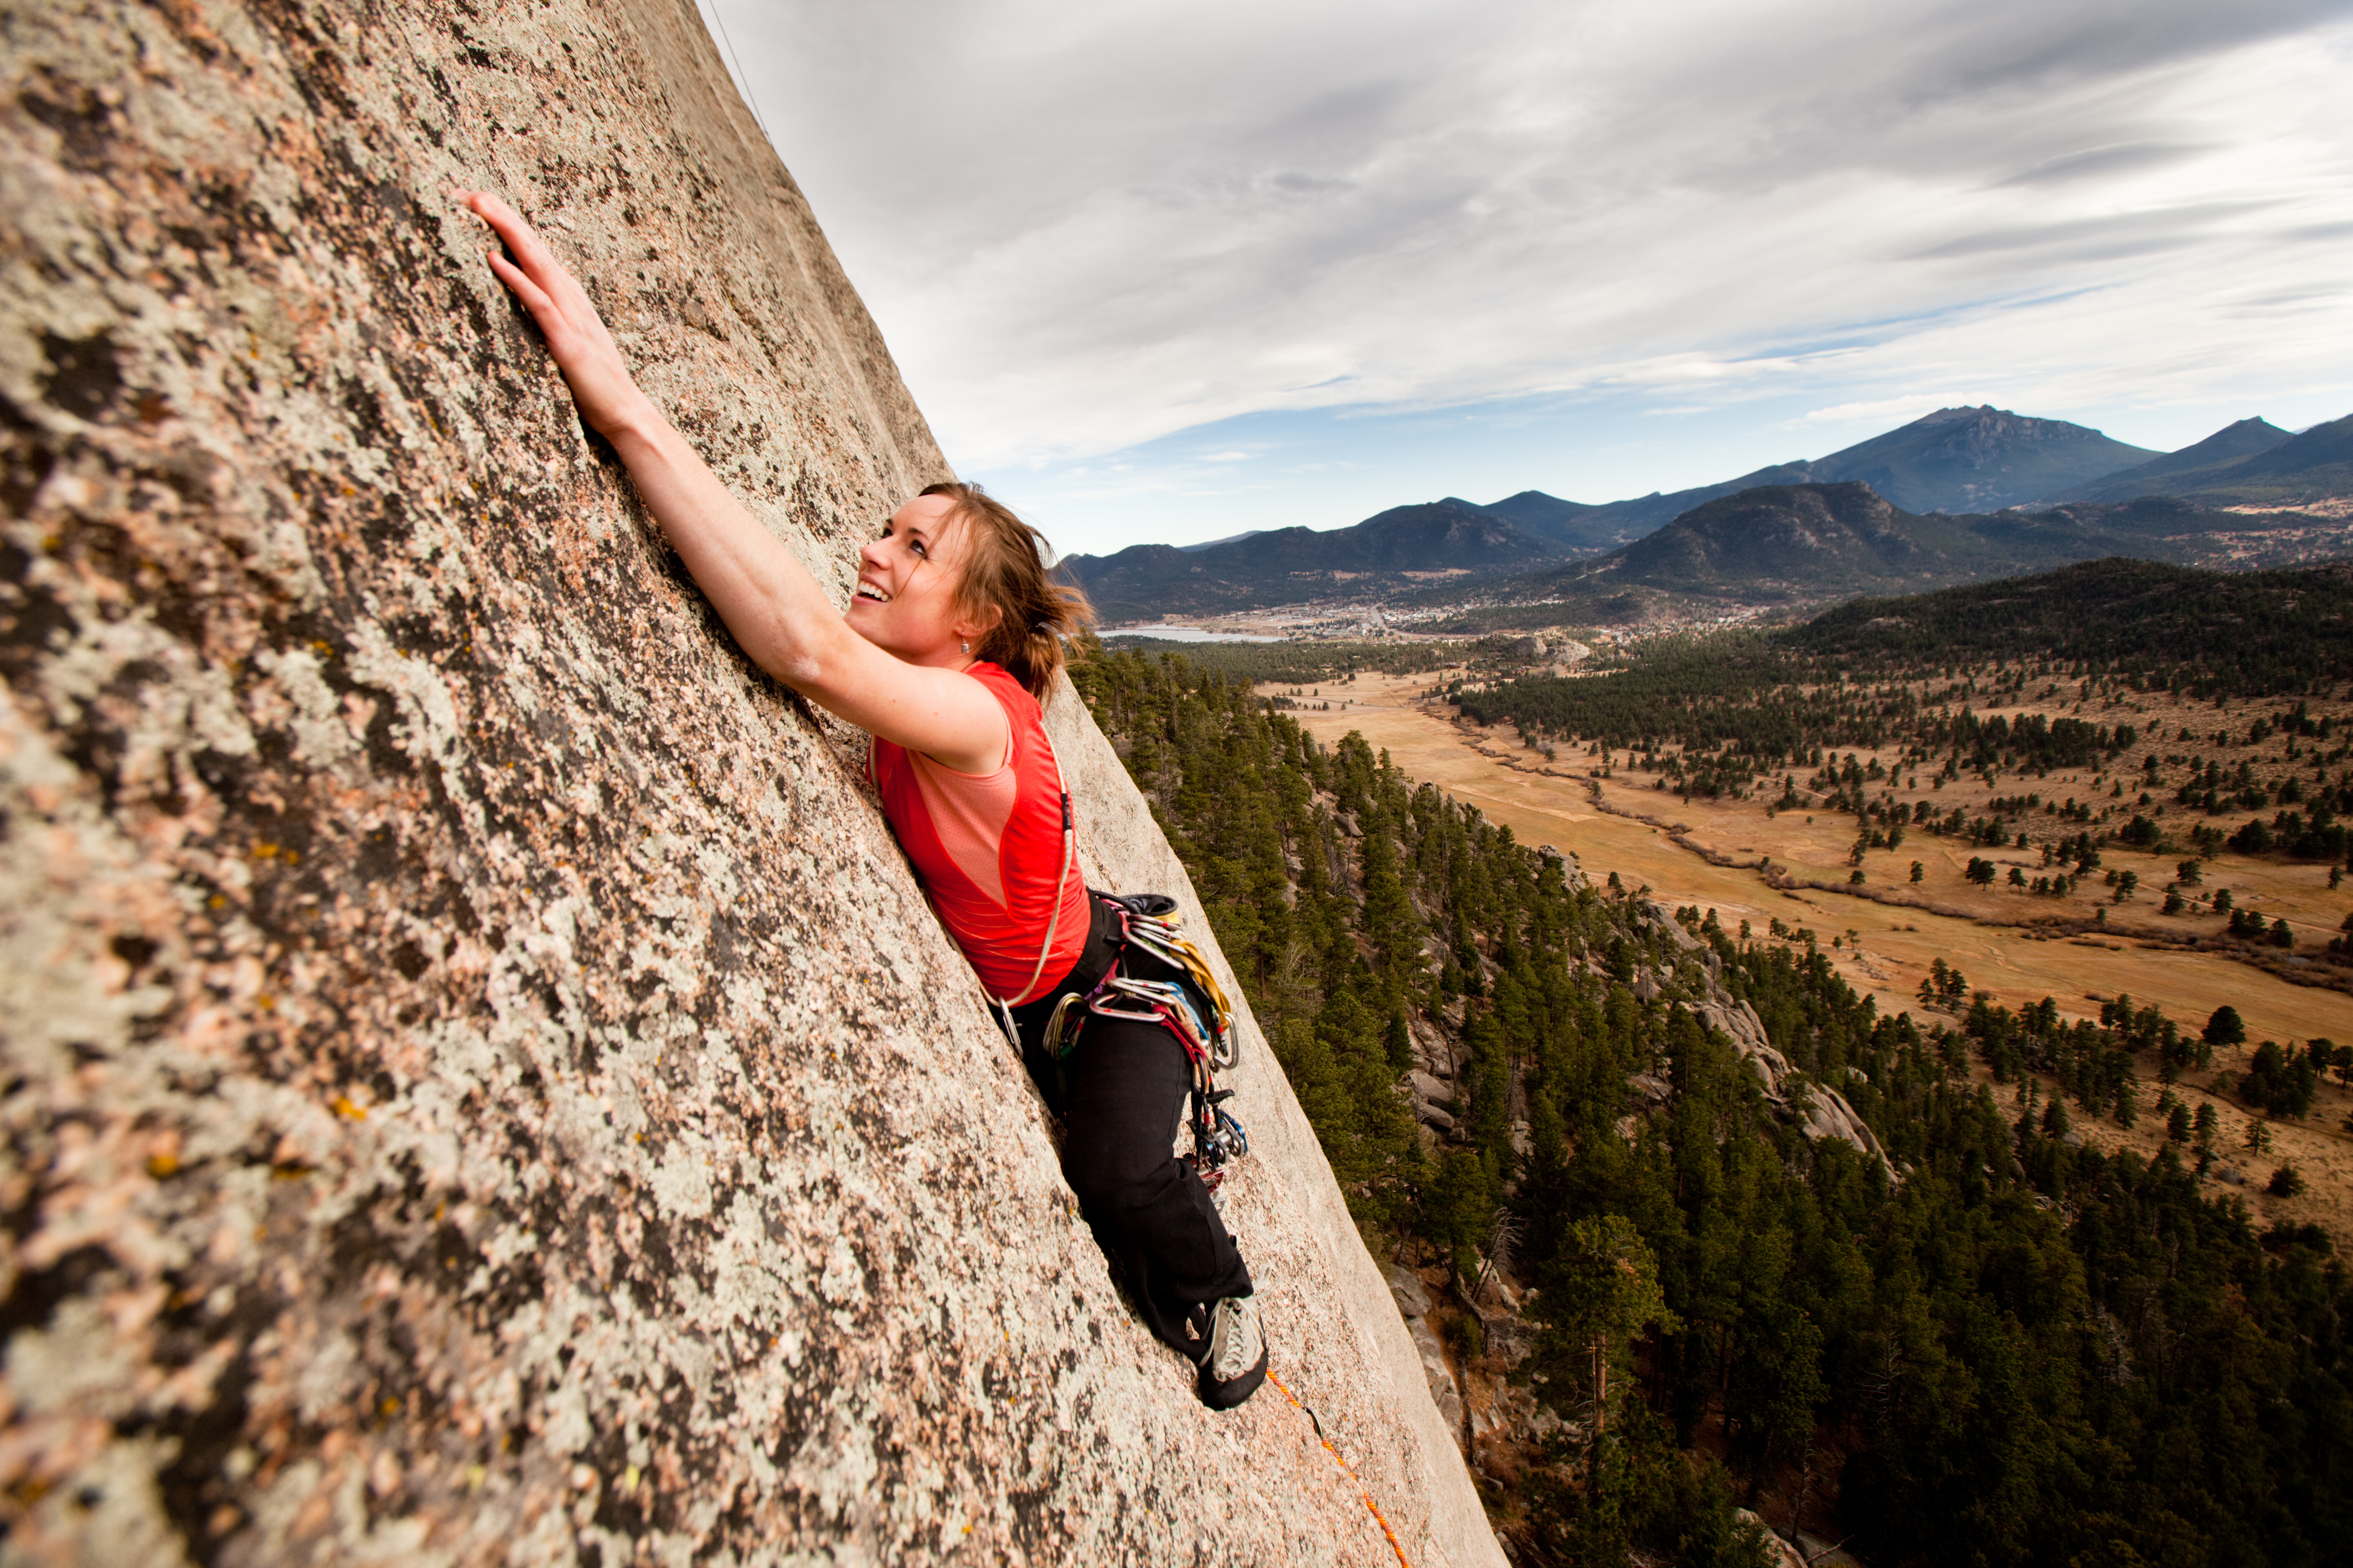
(1086, 226)
(1899, 410)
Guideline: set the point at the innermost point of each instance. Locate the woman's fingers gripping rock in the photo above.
(576, 336)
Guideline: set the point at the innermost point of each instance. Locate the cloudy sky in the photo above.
(1168, 271)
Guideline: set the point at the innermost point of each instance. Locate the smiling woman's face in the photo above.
(905, 602)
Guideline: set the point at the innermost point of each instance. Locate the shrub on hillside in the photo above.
(2279, 1083)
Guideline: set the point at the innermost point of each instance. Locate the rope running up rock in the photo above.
(1378, 1516)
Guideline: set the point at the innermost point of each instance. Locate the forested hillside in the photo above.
(2249, 634)
(2000, 1348)
(1301, 661)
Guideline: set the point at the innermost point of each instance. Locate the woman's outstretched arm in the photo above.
(776, 610)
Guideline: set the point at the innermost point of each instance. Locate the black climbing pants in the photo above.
(1121, 1093)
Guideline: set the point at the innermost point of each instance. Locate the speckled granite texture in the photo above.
(479, 1085)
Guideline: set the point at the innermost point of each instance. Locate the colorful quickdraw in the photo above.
(1166, 941)
(1209, 1042)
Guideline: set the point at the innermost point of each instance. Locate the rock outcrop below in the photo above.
(1820, 1110)
(481, 1085)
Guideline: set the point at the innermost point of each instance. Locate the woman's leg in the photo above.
(1127, 1085)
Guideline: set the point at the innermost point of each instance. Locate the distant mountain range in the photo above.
(1398, 548)
(1778, 543)
(1932, 502)
(2227, 446)
(1956, 459)
(2252, 463)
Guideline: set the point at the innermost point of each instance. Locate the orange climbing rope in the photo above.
(1375, 1508)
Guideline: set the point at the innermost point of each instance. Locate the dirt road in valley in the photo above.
(1492, 769)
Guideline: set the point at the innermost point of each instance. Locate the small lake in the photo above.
(1183, 634)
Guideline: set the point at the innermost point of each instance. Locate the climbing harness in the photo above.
(1194, 1010)
(1197, 1012)
(1362, 1490)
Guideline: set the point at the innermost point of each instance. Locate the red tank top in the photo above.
(988, 847)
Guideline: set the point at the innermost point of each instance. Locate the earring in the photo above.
(963, 644)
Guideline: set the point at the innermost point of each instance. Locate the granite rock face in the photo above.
(480, 1084)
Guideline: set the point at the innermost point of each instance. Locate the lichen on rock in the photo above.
(481, 1085)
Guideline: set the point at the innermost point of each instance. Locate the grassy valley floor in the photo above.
(1730, 854)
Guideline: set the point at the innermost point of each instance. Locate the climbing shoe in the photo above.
(1235, 1364)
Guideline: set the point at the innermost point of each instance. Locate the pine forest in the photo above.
(1959, 1337)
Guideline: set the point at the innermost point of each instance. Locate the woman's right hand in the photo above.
(576, 336)
(776, 611)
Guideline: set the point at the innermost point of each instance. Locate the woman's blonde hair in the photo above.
(1006, 570)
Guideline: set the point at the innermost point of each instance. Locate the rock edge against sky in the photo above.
(482, 1085)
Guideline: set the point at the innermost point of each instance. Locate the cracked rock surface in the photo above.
(480, 1084)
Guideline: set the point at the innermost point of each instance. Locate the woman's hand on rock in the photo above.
(776, 611)
(576, 336)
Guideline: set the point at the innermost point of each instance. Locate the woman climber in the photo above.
(951, 636)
